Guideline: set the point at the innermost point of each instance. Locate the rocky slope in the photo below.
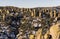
(30, 23)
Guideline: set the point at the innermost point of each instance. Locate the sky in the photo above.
(30, 3)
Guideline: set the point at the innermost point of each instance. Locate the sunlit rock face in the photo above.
(29, 23)
(54, 31)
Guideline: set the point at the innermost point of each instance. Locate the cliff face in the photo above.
(30, 23)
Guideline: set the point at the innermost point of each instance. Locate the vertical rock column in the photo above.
(38, 34)
(51, 14)
(34, 12)
(54, 13)
(39, 14)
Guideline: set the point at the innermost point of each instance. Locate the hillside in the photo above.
(30, 23)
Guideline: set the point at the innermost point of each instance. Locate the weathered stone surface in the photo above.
(20, 23)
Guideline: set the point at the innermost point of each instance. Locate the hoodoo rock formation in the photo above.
(29, 23)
